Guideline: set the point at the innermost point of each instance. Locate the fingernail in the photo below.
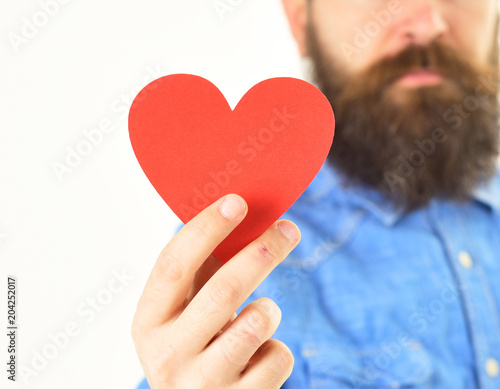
(232, 207)
(290, 230)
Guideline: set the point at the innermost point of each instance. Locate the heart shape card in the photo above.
(194, 148)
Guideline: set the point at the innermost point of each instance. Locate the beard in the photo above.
(412, 144)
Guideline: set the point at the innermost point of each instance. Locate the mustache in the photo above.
(435, 57)
(375, 124)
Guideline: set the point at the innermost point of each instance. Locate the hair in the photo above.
(379, 128)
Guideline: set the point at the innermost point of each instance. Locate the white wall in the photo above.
(65, 239)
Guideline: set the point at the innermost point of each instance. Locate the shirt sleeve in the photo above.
(143, 385)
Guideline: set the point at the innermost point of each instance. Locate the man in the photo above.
(396, 281)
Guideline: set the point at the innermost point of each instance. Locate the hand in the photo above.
(185, 329)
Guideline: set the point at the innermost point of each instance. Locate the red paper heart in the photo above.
(195, 149)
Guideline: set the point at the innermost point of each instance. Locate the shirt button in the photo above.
(492, 368)
(465, 260)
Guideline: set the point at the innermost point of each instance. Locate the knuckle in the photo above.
(206, 381)
(201, 230)
(161, 362)
(206, 378)
(165, 363)
(258, 320)
(163, 370)
(236, 344)
(284, 357)
(224, 293)
(170, 266)
(266, 252)
(270, 307)
(249, 336)
(231, 354)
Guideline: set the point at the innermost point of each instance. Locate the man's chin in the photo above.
(414, 144)
(413, 126)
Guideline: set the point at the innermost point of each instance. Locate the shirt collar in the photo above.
(489, 192)
(329, 187)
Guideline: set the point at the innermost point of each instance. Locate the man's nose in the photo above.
(422, 22)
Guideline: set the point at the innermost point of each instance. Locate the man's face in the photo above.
(358, 33)
(413, 85)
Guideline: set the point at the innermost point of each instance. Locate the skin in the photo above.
(185, 329)
(465, 25)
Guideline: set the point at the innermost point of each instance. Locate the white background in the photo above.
(66, 239)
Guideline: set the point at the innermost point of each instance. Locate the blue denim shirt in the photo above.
(376, 298)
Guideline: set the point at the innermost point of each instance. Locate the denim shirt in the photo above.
(376, 298)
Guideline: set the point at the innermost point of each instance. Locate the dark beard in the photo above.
(431, 142)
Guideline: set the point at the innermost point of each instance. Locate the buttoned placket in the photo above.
(481, 312)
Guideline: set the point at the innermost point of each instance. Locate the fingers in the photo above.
(231, 351)
(235, 281)
(173, 273)
(204, 273)
(270, 366)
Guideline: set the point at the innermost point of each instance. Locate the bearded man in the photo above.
(396, 280)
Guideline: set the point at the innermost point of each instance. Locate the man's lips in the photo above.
(419, 78)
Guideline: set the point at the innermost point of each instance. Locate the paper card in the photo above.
(194, 149)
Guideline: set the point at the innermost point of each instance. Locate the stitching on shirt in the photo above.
(350, 369)
(328, 246)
